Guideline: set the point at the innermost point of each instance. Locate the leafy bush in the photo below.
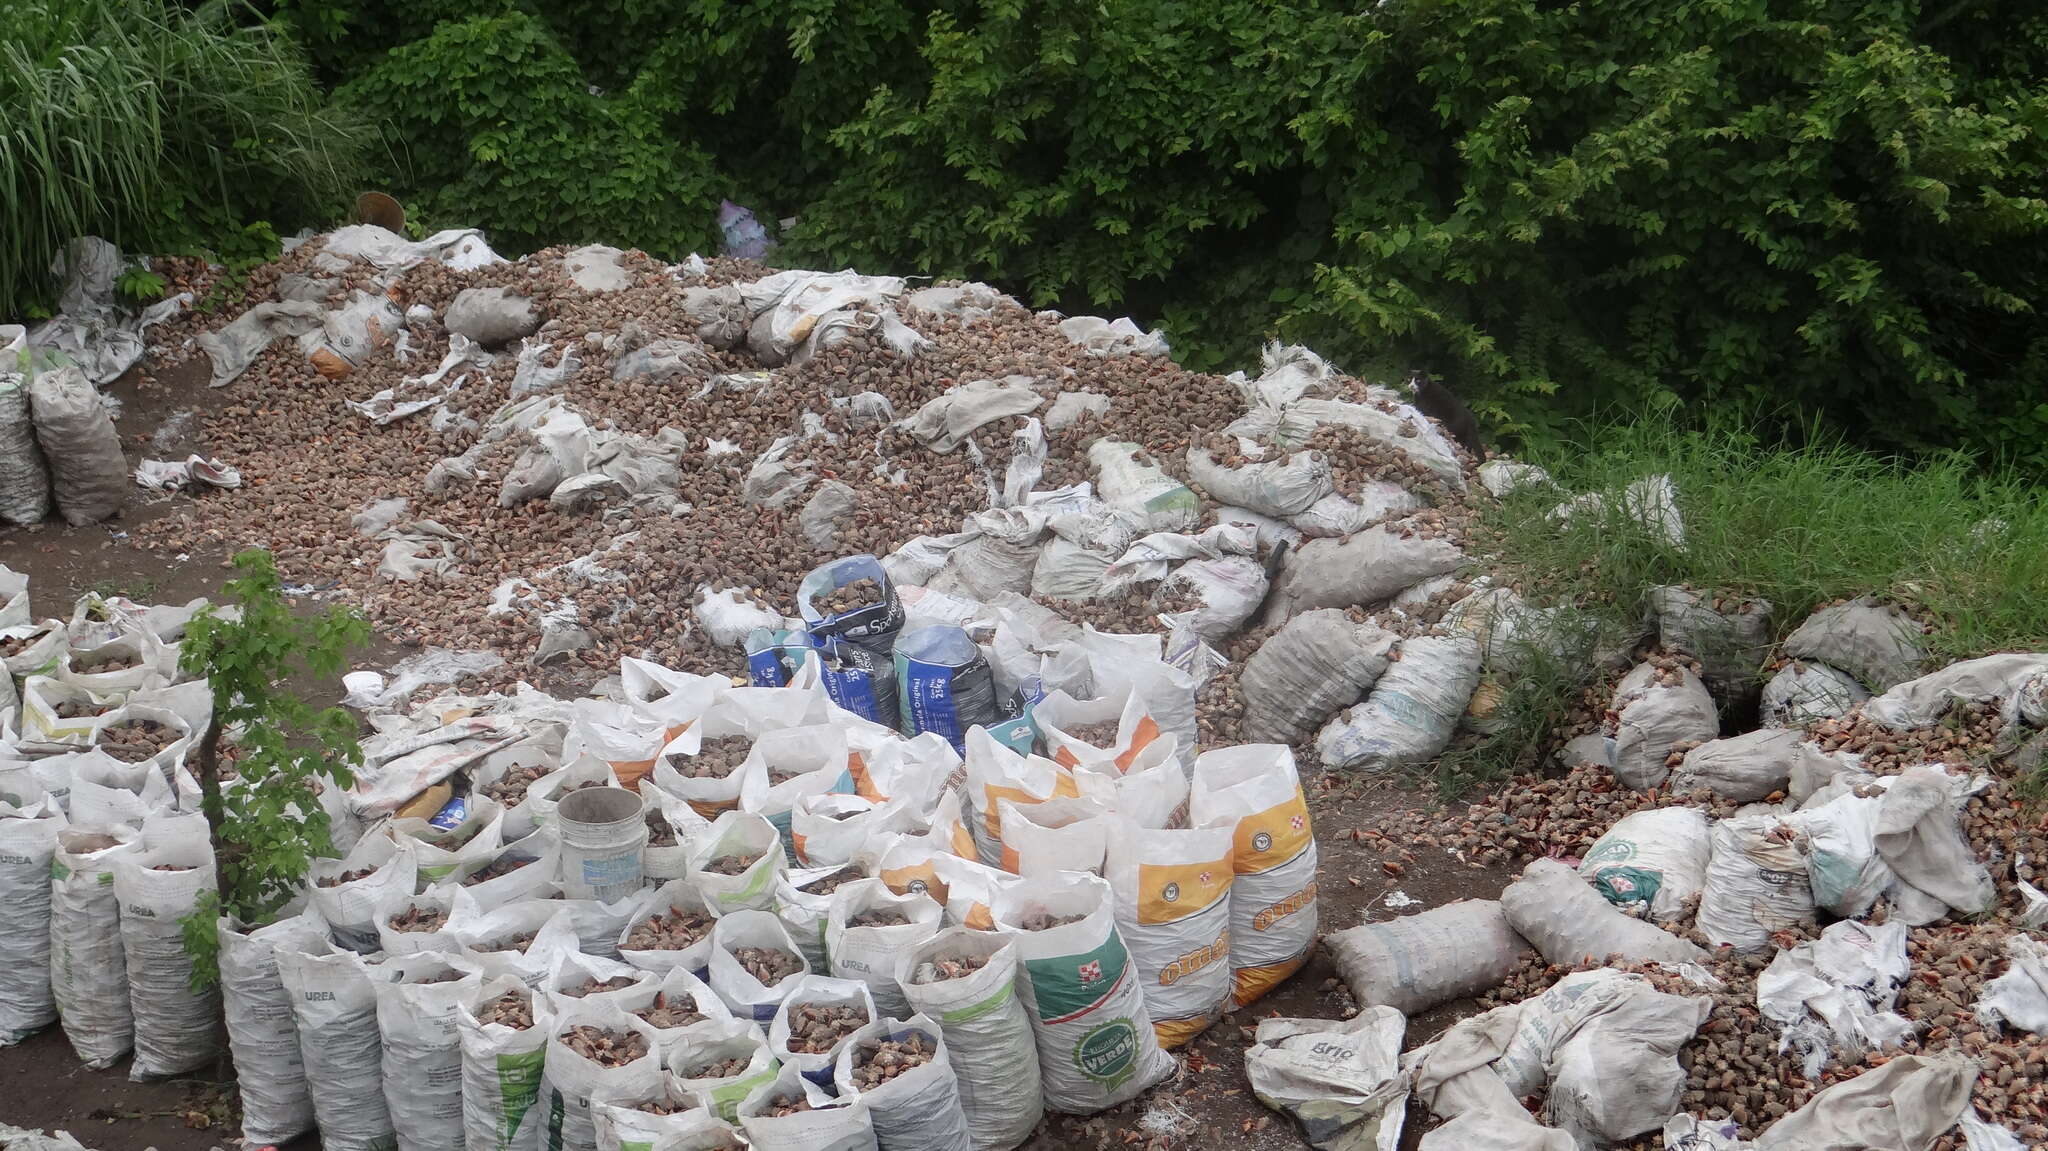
(268, 829)
(154, 125)
(1819, 206)
(498, 127)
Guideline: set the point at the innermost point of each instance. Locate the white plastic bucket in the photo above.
(603, 836)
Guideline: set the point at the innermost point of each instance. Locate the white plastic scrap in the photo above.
(1120, 337)
(369, 691)
(2020, 996)
(1838, 991)
(193, 471)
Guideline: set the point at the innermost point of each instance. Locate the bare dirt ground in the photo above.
(1208, 1105)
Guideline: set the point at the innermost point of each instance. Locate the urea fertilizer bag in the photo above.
(918, 1110)
(988, 1033)
(673, 987)
(88, 966)
(1656, 857)
(996, 773)
(335, 1006)
(417, 1009)
(701, 1046)
(574, 969)
(501, 1072)
(28, 845)
(487, 936)
(822, 991)
(568, 1079)
(1256, 789)
(157, 887)
(1173, 895)
(1057, 835)
(676, 897)
(270, 1072)
(1096, 1044)
(869, 954)
(803, 913)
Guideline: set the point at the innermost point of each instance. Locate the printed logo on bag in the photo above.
(1268, 916)
(1068, 987)
(518, 1087)
(1274, 836)
(1108, 1054)
(1611, 851)
(1168, 892)
(1196, 960)
(1628, 884)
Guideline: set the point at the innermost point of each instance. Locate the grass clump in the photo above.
(155, 125)
(1798, 525)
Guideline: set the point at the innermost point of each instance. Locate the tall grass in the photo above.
(154, 124)
(1799, 526)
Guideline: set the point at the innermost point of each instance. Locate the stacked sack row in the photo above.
(1809, 836)
(57, 439)
(799, 927)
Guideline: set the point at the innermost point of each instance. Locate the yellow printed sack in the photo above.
(1255, 789)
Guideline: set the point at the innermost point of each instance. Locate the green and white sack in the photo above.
(1658, 857)
(1096, 1045)
(501, 1071)
(986, 1028)
(715, 1041)
(831, 1124)
(568, 1079)
(918, 1110)
(743, 834)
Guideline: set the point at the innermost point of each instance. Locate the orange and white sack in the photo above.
(618, 735)
(1066, 834)
(964, 888)
(1273, 904)
(1151, 790)
(996, 773)
(1058, 711)
(1173, 891)
(831, 828)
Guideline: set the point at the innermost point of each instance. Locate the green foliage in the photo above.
(154, 124)
(498, 126)
(1815, 206)
(138, 285)
(1722, 203)
(270, 826)
(1800, 526)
